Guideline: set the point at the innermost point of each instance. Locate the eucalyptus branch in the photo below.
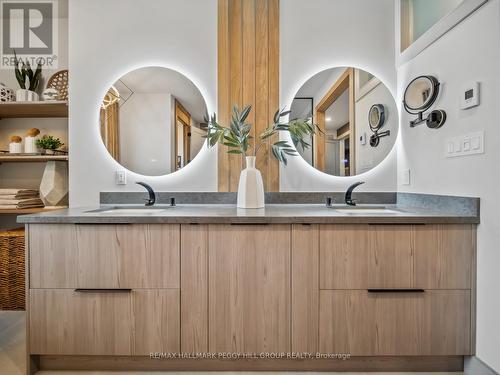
(237, 136)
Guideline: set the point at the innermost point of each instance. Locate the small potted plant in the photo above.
(49, 144)
(28, 80)
(239, 141)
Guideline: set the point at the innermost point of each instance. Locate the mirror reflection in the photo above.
(152, 121)
(357, 115)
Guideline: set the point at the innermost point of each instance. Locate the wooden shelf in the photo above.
(20, 211)
(33, 109)
(6, 158)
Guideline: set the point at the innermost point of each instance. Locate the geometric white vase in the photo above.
(250, 186)
(54, 185)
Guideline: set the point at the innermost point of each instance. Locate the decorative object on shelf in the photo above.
(6, 94)
(49, 144)
(237, 137)
(30, 146)
(376, 120)
(27, 79)
(12, 280)
(419, 96)
(54, 185)
(59, 81)
(50, 94)
(15, 145)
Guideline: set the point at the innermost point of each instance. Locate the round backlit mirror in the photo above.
(152, 121)
(420, 94)
(349, 106)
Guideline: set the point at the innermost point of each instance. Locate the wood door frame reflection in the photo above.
(184, 117)
(345, 82)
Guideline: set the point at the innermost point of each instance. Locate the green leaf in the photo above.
(244, 113)
(235, 152)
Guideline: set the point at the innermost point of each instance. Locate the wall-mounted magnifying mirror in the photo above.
(349, 106)
(152, 121)
(419, 96)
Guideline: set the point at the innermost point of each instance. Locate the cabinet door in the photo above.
(249, 288)
(305, 288)
(366, 256)
(194, 288)
(444, 256)
(104, 256)
(156, 320)
(435, 322)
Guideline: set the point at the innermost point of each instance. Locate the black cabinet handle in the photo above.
(242, 224)
(101, 290)
(399, 290)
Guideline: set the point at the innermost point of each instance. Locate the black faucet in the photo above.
(152, 196)
(348, 194)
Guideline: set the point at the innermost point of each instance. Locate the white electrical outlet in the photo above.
(121, 177)
(405, 177)
(464, 145)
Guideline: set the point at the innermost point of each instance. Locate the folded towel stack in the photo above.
(19, 198)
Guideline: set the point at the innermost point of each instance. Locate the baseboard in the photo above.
(359, 364)
(474, 366)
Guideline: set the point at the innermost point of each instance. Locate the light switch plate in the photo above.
(464, 145)
(121, 177)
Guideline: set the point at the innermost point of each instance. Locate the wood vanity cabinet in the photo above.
(366, 290)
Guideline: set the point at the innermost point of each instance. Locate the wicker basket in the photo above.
(12, 271)
(59, 81)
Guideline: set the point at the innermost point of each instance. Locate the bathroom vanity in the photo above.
(111, 290)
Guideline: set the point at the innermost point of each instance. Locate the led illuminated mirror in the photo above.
(357, 117)
(152, 121)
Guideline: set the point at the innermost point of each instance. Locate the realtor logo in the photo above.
(29, 28)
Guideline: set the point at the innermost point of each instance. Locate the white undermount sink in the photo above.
(129, 210)
(365, 210)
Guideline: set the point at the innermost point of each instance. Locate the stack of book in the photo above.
(19, 199)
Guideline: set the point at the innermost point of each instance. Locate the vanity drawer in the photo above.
(396, 256)
(365, 256)
(104, 322)
(104, 256)
(434, 322)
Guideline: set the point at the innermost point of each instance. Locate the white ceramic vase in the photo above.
(15, 148)
(30, 145)
(250, 187)
(23, 95)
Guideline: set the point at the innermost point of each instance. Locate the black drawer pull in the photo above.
(100, 290)
(396, 290)
(243, 224)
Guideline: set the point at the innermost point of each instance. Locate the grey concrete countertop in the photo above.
(272, 213)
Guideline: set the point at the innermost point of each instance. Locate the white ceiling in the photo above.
(159, 80)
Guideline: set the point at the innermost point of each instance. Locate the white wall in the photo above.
(469, 52)
(320, 34)
(106, 40)
(145, 131)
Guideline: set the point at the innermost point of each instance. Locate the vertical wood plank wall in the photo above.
(248, 73)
